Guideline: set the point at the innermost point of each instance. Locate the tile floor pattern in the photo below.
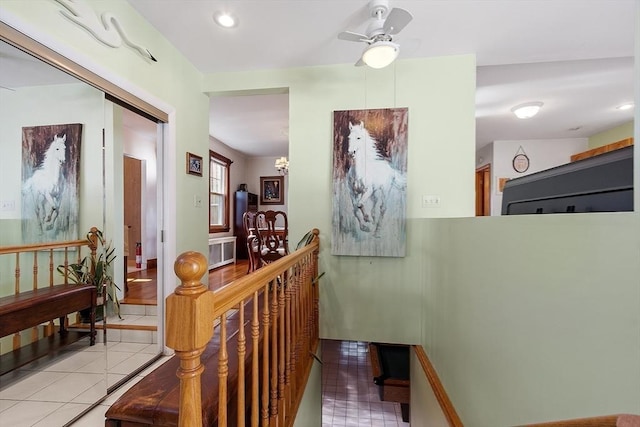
(51, 391)
(64, 387)
(349, 397)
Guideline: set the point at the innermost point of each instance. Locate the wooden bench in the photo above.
(25, 309)
(28, 309)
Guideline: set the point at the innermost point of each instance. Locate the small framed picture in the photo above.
(272, 190)
(194, 164)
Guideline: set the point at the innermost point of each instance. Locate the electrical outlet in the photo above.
(197, 201)
(7, 205)
(430, 201)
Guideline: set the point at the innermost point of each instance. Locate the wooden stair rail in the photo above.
(619, 420)
(281, 300)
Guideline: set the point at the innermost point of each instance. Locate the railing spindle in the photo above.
(287, 350)
(255, 373)
(16, 337)
(281, 339)
(274, 350)
(242, 349)
(265, 358)
(223, 372)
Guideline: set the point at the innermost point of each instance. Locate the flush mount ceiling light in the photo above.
(380, 54)
(527, 110)
(627, 106)
(225, 19)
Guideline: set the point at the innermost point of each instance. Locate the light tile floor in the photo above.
(349, 397)
(61, 389)
(52, 391)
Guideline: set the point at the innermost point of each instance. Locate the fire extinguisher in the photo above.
(138, 255)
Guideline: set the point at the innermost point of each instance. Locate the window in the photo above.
(218, 192)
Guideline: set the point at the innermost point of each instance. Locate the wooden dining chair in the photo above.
(273, 235)
(253, 245)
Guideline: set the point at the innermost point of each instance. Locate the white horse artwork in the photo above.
(44, 185)
(370, 180)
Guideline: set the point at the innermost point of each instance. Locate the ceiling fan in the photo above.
(383, 25)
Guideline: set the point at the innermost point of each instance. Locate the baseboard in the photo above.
(152, 263)
(434, 381)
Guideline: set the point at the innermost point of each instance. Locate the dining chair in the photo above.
(253, 245)
(273, 235)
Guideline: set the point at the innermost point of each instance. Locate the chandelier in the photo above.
(282, 164)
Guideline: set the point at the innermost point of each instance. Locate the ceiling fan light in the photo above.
(225, 20)
(627, 106)
(527, 110)
(380, 54)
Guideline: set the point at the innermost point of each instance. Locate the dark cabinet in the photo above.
(243, 202)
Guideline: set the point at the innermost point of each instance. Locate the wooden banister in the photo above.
(619, 420)
(274, 364)
(189, 329)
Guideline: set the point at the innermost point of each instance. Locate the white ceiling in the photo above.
(573, 55)
(559, 46)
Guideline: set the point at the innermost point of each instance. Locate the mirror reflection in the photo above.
(581, 114)
(57, 225)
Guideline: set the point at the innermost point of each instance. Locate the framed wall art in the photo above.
(272, 190)
(369, 182)
(50, 182)
(194, 164)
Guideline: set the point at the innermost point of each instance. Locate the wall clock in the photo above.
(520, 161)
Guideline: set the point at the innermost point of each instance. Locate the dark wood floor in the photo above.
(142, 284)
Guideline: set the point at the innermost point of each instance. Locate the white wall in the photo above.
(543, 154)
(143, 147)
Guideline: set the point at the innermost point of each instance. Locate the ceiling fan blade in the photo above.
(396, 21)
(7, 88)
(352, 37)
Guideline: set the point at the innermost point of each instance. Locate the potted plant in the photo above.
(96, 269)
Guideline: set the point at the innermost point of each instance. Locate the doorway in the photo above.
(483, 191)
(132, 171)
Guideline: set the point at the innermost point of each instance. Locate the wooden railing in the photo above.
(278, 304)
(619, 420)
(41, 259)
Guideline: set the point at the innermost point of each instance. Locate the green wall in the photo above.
(611, 135)
(366, 298)
(525, 319)
(171, 84)
(534, 318)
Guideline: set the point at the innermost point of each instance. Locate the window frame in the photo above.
(225, 227)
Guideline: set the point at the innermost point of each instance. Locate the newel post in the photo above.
(189, 329)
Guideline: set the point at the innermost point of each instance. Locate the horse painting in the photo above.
(50, 183)
(371, 178)
(44, 184)
(369, 182)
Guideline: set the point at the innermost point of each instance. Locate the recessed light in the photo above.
(627, 106)
(527, 110)
(225, 19)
